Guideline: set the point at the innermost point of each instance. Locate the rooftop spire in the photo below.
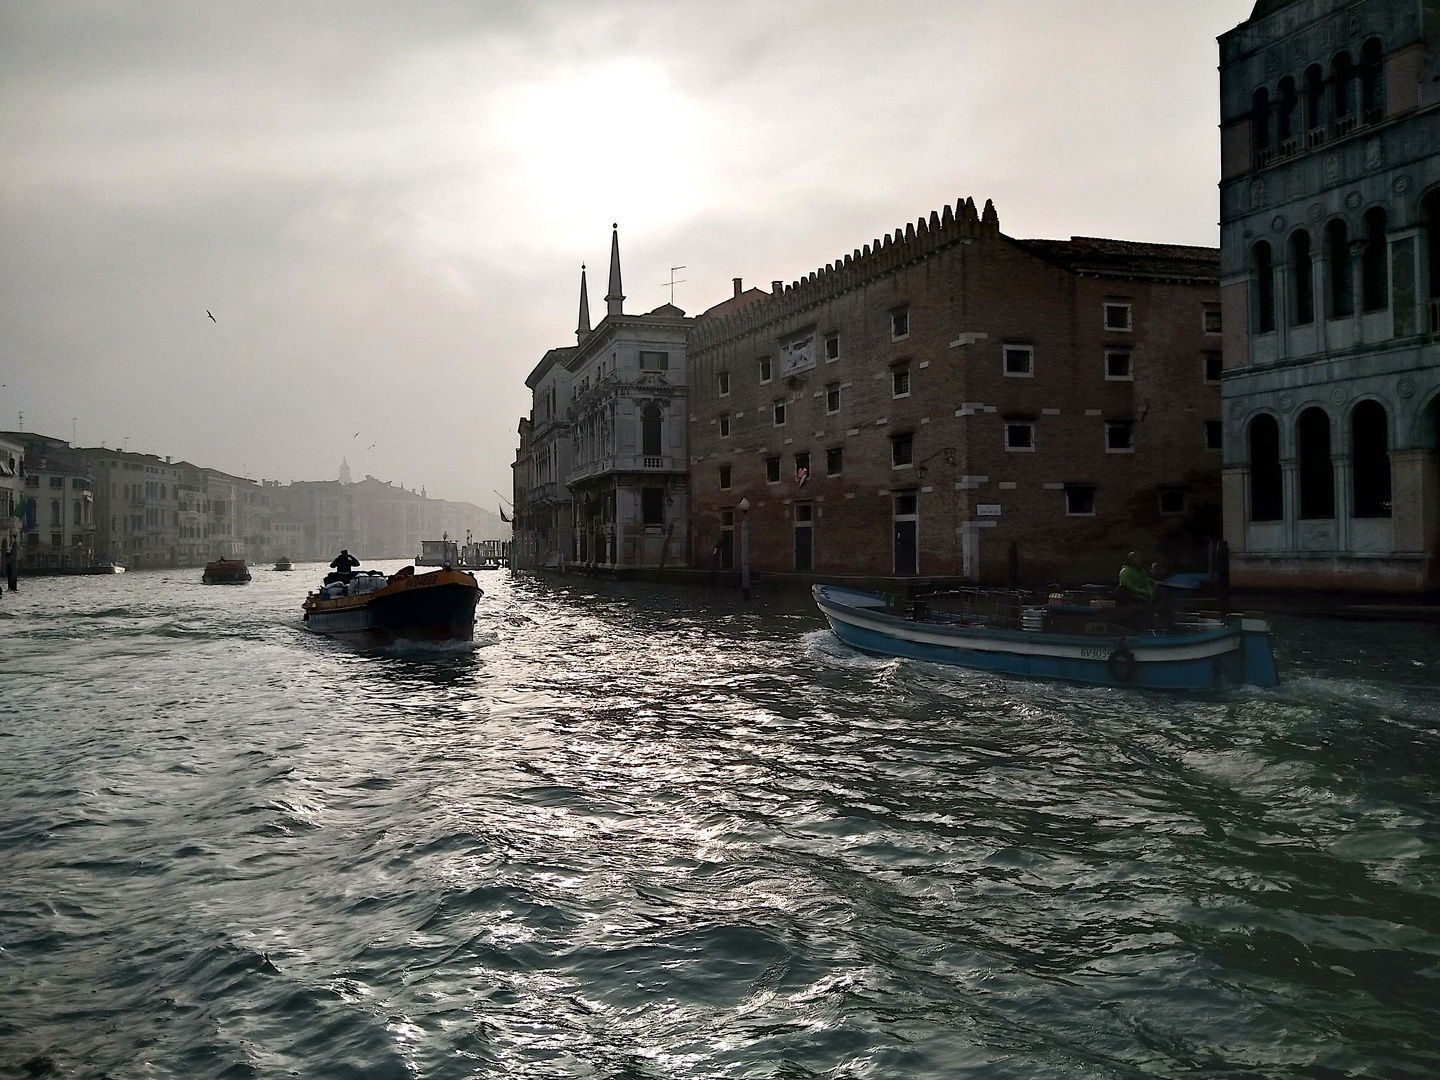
(582, 328)
(615, 299)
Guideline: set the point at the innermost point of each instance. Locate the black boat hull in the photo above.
(441, 612)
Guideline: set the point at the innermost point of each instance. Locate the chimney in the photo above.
(777, 287)
(737, 286)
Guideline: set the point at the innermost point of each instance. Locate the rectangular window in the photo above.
(902, 450)
(832, 347)
(832, 398)
(1214, 362)
(724, 477)
(772, 470)
(834, 461)
(780, 413)
(1079, 500)
(652, 506)
(1211, 319)
(1117, 316)
(59, 482)
(1117, 365)
(899, 323)
(1173, 501)
(1119, 436)
(900, 382)
(724, 425)
(1019, 361)
(1019, 435)
(654, 361)
(722, 381)
(764, 369)
(1213, 437)
(802, 467)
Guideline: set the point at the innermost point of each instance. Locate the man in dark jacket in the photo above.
(344, 565)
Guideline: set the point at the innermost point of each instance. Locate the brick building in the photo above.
(1330, 263)
(920, 405)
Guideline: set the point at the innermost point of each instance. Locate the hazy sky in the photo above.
(386, 206)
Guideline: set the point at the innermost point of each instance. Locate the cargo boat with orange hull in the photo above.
(438, 606)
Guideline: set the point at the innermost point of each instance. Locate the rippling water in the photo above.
(641, 833)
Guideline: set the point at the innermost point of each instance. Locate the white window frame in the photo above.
(1079, 513)
(779, 412)
(835, 337)
(828, 451)
(722, 383)
(1205, 366)
(1205, 434)
(767, 369)
(1111, 425)
(779, 472)
(1020, 449)
(833, 388)
(1129, 356)
(910, 436)
(726, 476)
(1017, 347)
(724, 425)
(897, 313)
(1129, 310)
(895, 373)
(1205, 314)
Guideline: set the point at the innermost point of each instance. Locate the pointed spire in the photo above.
(582, 328)
(615, 299)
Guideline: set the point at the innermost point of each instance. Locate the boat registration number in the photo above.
(1095, 654)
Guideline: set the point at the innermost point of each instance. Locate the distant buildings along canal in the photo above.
(1330, 262)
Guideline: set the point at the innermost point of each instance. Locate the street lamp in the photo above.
(745, 548)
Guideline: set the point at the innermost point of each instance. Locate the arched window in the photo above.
(1314, 105)
(1304, 278)
(55, 514)
(79, 513)
(1374, 277)
(1266, 501)
(1372, 82)
(1264, 288)
(650, 428)
(1342, 93)
(1260, 125)
(1317, 472)
(1370, 460)
(1342, 300)
(1286, 109)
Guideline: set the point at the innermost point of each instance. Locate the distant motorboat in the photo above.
(225, 572)
(283, 563)
(107, 568)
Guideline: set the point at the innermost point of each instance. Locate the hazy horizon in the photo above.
(386, 210)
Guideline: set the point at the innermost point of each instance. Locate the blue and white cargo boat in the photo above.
(995, 630)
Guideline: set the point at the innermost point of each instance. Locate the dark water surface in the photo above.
(651, 833)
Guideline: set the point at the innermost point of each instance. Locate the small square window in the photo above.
(723, 382)
(764, 369)
(902, 450)
(1019, 435)
(1214, 440)
(900, 382)
(1214, 363)
(802, 467)
(1020, 361)
(724, 477)
(1117, 365)
(832, 347)
(654, 361)
(804, 512)
(1079, 500)
(832, 398)
(1173, 501)
(1119, 436)
(772, 470)
(899, 323)
(907, 504)
(1117, 316)
(834, 461)
(1212, 320)
(780, 414)
(724, 425)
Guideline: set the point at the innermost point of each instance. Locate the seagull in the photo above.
(356, 435)
(371, 446)
(212, 317)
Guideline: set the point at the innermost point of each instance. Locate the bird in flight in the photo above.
(356, 435)
(212, 317)
(370, 447)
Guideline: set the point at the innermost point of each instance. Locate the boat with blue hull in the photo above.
(999, 632)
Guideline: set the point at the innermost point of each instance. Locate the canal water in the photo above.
(640, 832)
